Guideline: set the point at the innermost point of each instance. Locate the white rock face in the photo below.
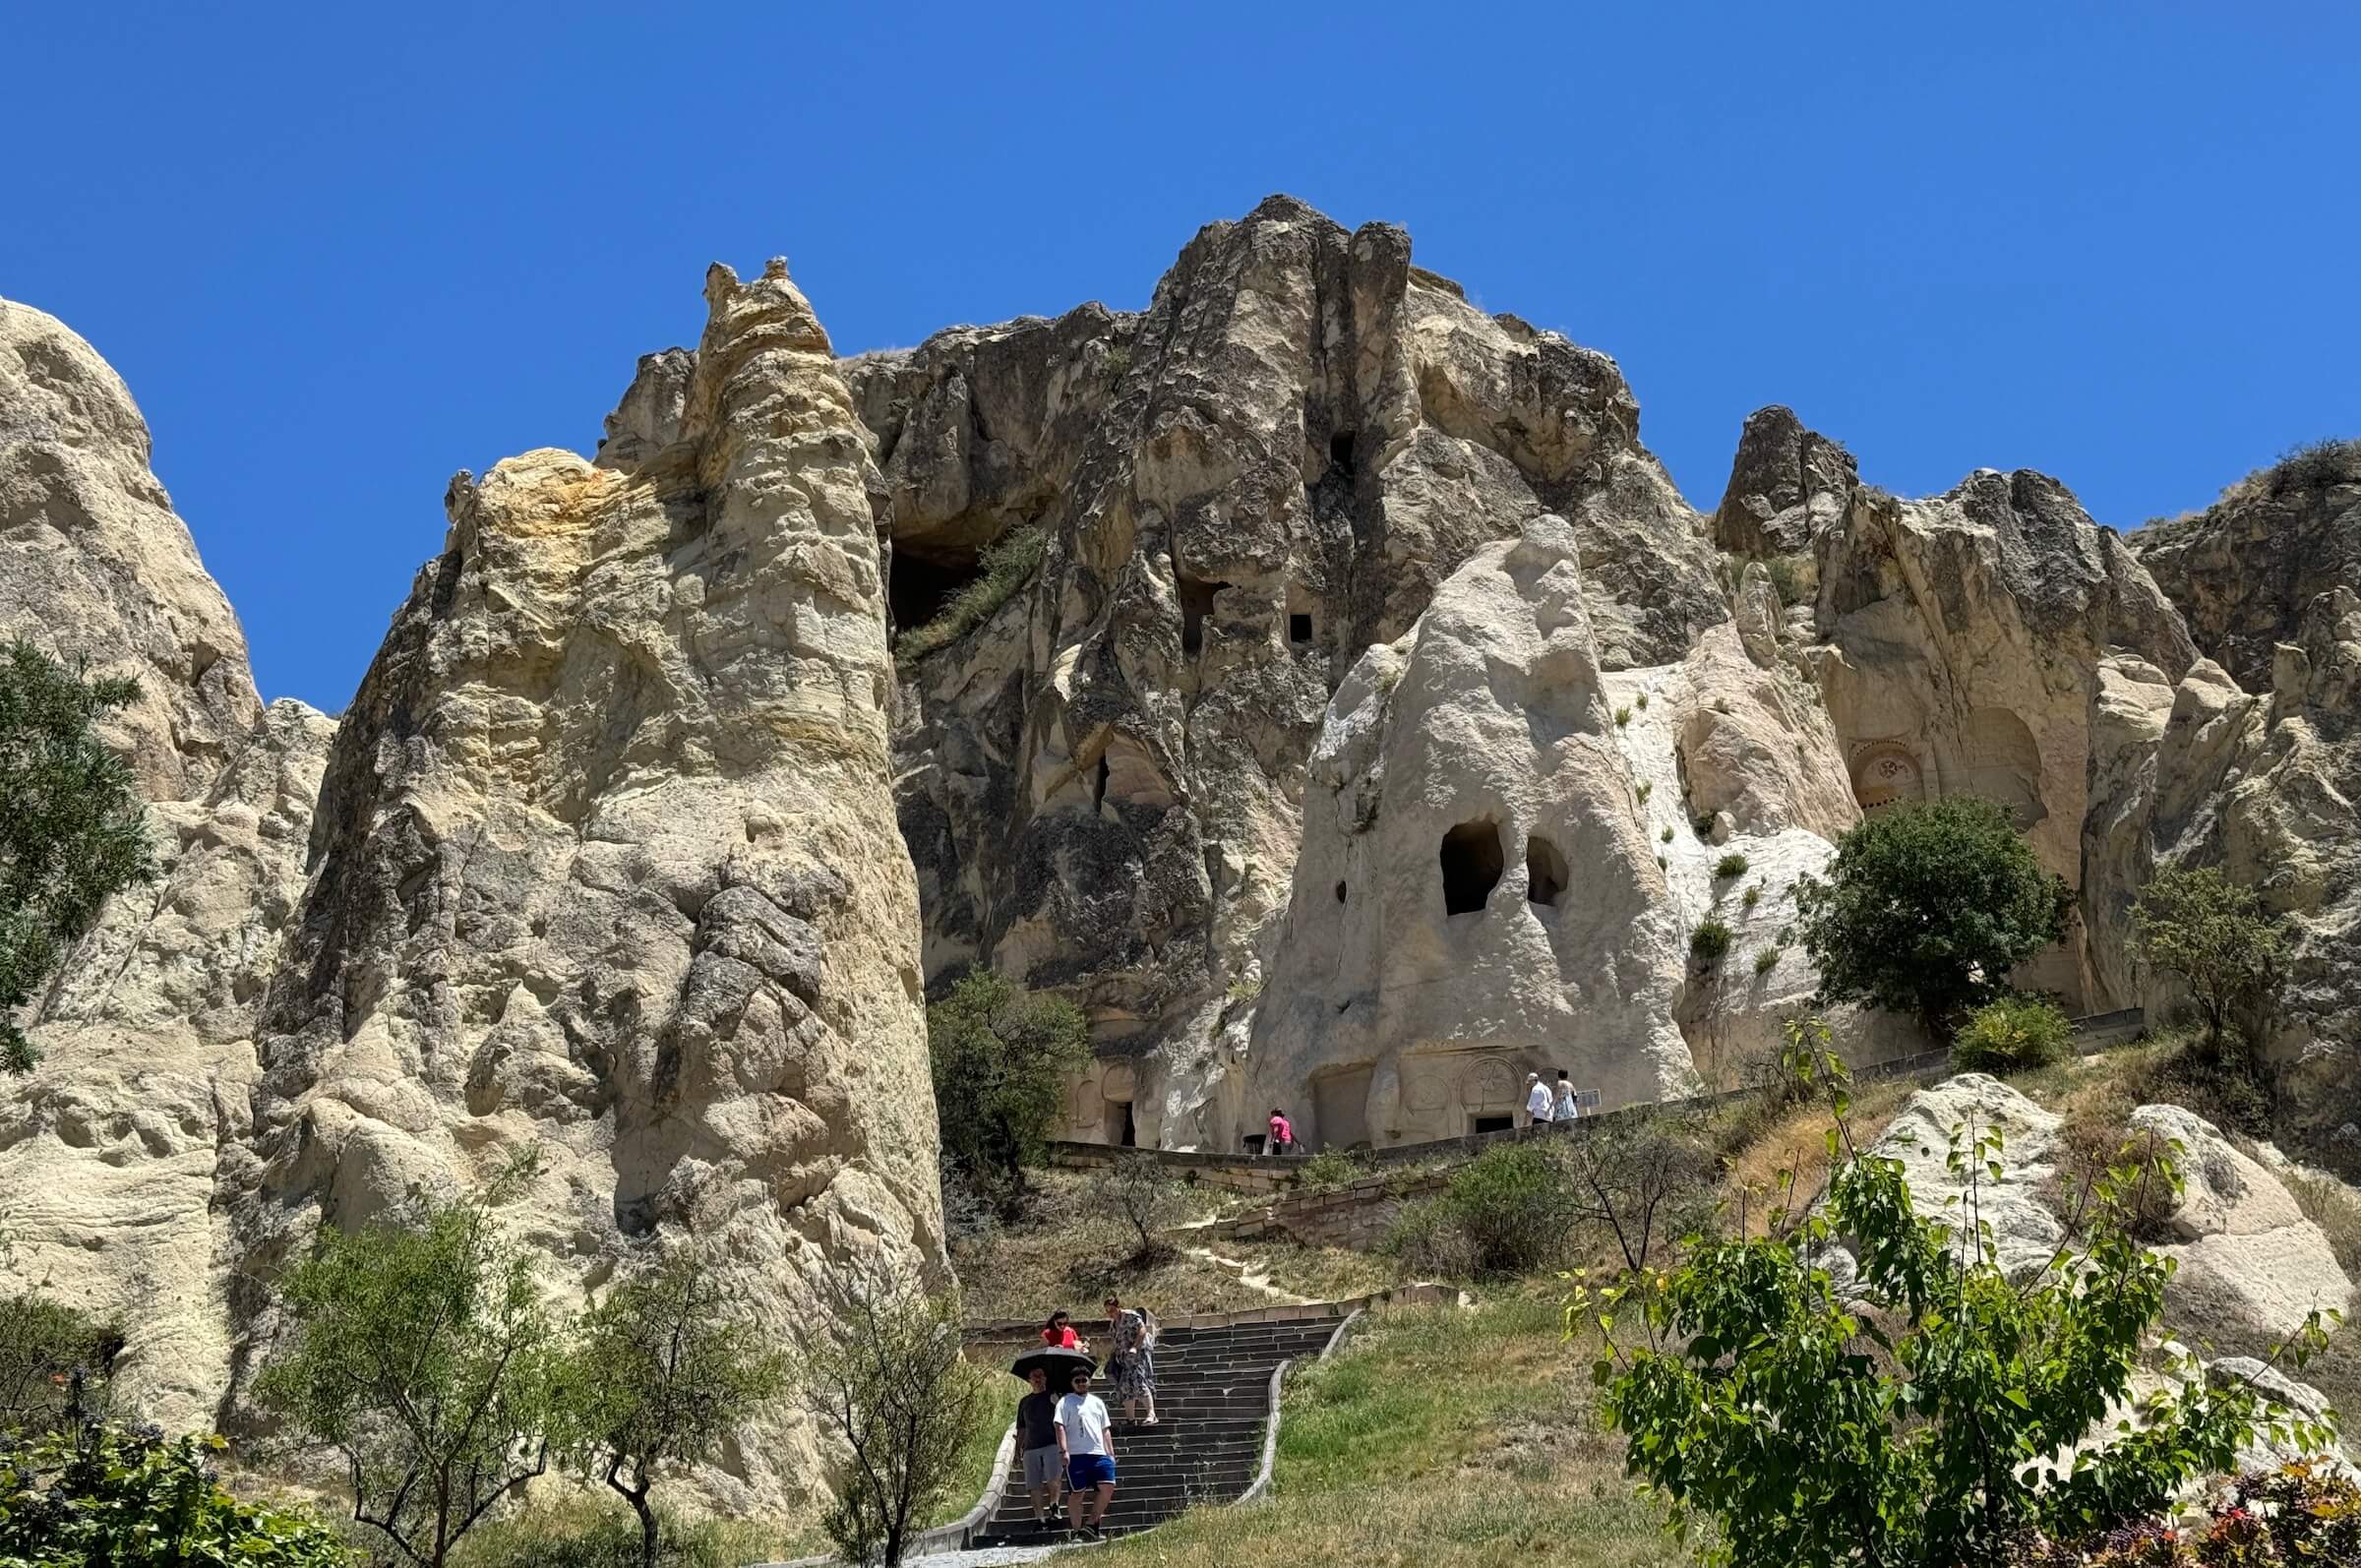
(606, 863)
(2021, 1207)
(2250, 1262)
(94, 565)
(1473, 764)
(114, 1149)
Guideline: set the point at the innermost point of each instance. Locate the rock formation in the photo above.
(604, 862)
(1786, 484)
(1240, 490)
(94, 564)
(1440, 936)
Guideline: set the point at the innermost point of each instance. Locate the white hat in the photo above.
(1532, 1078)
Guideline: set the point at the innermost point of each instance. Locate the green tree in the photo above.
(2213, 933)
(659, 1375)
(1926, 909)
(421, 1354)
(1923, 1415)
(48, 1347)
(1135, 1193)
(101, 1497)
(894, 1390)
(1002, 1058)
(72, 828)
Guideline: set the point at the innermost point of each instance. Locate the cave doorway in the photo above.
(1544, 872)
(920, 588)
(1196, 603)
(1492, 1123)
(1122, 1130)
(1472, 865)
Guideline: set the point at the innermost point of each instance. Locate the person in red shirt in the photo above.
(1059, 1333)
(1283, 1132)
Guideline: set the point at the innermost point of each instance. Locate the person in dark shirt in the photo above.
(1037, 1440)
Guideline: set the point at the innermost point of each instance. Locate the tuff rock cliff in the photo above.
(602, 860)
(1311, 674)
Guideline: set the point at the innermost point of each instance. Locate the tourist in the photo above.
(1036, 1437)
(1131, 1362)
(1058, 1333)
(1283, 1132)
(1537, 1101)
(1567, 1109)
(1086, 1438)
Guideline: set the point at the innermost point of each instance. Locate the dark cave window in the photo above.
(919, 586)
(1492, 1123)
(1298, 629)
(1472, 867)
(1544, 872)
(1100, 797)
(1339, 451)
(1340, 892)
(1196, 603)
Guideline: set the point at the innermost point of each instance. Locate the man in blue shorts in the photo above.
(1085, 1435)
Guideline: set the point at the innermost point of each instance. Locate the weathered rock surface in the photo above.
(1963, 638)
(2022, 1206)
(112, 1153)
(605, 863)
(94, 565)
(1439, 944)
(1268, 471)
(2245, 570)
(1786, 484)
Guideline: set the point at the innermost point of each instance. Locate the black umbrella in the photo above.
(1055, 1359)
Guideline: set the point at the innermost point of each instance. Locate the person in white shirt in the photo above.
(1085, 1433)
(1537, 1099)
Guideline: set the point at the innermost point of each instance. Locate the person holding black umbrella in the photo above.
(1037, 1440)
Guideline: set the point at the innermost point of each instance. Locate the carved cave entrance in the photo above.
(1472, 865)
(1544, 872)
(920, 586)
(1196, 603)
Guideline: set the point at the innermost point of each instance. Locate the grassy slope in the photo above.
(1440, 1437)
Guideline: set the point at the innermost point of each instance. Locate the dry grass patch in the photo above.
(1797, 1140)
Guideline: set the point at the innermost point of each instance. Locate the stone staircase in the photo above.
(1213, 1388)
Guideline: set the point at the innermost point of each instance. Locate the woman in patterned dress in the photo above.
(1133, 1360)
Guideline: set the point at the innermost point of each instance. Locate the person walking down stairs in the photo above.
(1037, 1439)
(1086, 1435)
(1133, 1360)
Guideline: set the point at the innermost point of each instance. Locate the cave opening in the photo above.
(1299, 629)
(1196, 603)
(919, 587)
(1472, 867)
(1544, 872)
(1483, 1125)
(1340, 892)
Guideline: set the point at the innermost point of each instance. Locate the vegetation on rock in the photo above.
(1004, 568)
(72, 826)
(1003, 1056)
(2009, 1033)
(1926, 909)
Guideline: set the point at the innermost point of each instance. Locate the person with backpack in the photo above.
(1133, 1360)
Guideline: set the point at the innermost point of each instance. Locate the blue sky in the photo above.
(339, 252)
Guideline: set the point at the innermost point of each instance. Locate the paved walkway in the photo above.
(989, 1557)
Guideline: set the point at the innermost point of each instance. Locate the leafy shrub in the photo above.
(1002, 1054)
(2301, 1513)
(1004, 568)
(46, 1349)
(1902, 1419)
(1795, 578)
(1731, 865)
(1330, 1167)
(1135, 1193)
(1925, 906)
(1754, 896)
(129, 1498)
(1709, 944)
(2214, 935)
(1765, 960)
(2317, 465)
(2012, 1033)
(1642, 699)
(1504, 1212)
(1666, 834)
(1704, 827)
(1646, 788)
(1622, 717)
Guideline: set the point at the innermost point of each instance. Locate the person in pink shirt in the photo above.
(1283, 1132)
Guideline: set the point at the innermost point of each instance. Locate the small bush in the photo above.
(1704, 827)
(579, 1533)
(1731, 865)
(1765, 960)
(2011, 1034)
(1642, 699)
(1427, 1238)
(105, 1494)
(2316, 465)
(1646, 788)
(44, 1346)
(1793, 578)
(1709, 944)
(1666, 834)
(1512, 1203)
(1330, 1167)
(1661, 863)
(1622, 717)
(1754, 896)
